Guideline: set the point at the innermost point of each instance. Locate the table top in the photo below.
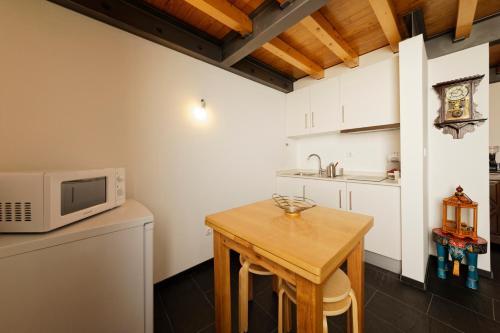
(475, 246)
(317, 241)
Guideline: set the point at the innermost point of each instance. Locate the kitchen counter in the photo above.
(292, 173)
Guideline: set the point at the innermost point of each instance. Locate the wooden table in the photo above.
(304, 250)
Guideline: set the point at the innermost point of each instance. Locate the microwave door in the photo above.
(78, 195)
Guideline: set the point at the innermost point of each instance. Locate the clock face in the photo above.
(457, 92)
(457, 102)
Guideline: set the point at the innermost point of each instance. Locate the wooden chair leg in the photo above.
(276, 284)
(354, 312)
(325, 325)
(250, 287)
(243, 298)
(281, 296)
(288, 314)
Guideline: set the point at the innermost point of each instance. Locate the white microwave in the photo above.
(43, 201)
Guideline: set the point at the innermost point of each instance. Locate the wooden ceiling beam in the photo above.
(321, 28)
(226, 13)
(287, 53)
(386, 16)
(465, 18)
(268, 24)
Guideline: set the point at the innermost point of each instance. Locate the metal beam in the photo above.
(414, 23)
(494, 74)
(268, 24)
(484, 31)
(142, 20)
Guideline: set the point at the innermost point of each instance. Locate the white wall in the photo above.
(495, 115)
(357, 152)
(459, 162)
(413, 106)
(76, 93)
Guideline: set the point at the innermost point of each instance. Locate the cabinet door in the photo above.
(290, 186)
(384, 204)
(298, 112)
(370, 95)
(326, 193)
(325, 106)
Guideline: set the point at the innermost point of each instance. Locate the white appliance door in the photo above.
(91, 285)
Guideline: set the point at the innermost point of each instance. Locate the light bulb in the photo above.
(200, 112)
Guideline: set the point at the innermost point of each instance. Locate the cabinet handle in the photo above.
(342, 113)
(303, 192)
(340, 198)
(305, 120)
(312, 119)
(350, 200)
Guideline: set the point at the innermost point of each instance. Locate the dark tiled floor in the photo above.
(185, 303)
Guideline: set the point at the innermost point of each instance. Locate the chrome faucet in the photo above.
(320, 171)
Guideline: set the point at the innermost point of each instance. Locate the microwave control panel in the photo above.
(120, 186)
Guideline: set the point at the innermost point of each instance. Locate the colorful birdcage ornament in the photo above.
(460, 215)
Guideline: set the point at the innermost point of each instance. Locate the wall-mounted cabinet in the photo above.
(381, 202)
(370, 95)
(314, 109)
(362, 97)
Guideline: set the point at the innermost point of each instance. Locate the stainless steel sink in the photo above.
(307, 174)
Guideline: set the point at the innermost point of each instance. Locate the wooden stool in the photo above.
(246, 290)
(338, 297)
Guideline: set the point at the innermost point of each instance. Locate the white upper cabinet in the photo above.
(362, 97)
(325, 106)
(370, 95)
(314, 109)
(298, 109)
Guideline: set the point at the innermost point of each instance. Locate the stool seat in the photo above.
(338, 298)
(335, 289)
(253, 268)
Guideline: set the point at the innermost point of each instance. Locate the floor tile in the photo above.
(496, 308)
(461, 295)
(401, 316)
(389, 283)
(161, 323)
(460, 317)
(186, 305)
(204, 275)
(377, 325)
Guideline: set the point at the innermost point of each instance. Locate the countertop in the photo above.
(344, 178)
(131, 214)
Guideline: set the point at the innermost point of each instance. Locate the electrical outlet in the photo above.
(208, 231)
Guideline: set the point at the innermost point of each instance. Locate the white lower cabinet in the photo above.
(323, 192)
(381, 202)
(384, 204)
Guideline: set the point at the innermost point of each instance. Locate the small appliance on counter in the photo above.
(43, 201)
(493, 162)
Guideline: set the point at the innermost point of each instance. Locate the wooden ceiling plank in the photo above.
(319, 26)
(386, 15)
(287, 53)
(465, 18)
(226, 13)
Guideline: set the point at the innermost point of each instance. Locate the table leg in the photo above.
(309, 306)
(442, 254)
(472, 276)
(222, 285)
(356, 272)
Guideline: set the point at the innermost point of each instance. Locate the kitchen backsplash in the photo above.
(359, 152)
